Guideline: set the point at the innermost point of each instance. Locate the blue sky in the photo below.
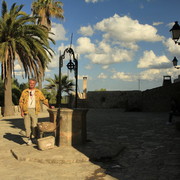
(120, 44)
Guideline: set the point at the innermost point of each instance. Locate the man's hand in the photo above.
(22, 114)
(51, 107)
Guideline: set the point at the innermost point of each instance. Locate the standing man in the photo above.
(29, 103)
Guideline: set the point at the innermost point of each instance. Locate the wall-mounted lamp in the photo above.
(175, 30)
(175, 62)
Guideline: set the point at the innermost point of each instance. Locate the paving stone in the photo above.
(121, 146)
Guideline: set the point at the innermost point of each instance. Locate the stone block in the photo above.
(46, 143)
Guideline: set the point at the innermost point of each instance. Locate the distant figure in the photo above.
(174, 110)
(29, 103)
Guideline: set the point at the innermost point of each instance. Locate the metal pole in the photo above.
(58, 102)
(76, 77)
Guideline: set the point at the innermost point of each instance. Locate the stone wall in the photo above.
(126, 100)
(157, 99)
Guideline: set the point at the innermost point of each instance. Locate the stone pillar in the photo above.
(72, 126)
(84, 87)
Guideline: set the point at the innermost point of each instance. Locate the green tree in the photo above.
(23, 41)
(16, 92)
(67, 85)
(50, 95)
(23, 86)
(102, 89)
(46, 9)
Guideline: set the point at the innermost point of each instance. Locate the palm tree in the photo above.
(23, 41)
(67, 85)
(1, 93)
(46, 9)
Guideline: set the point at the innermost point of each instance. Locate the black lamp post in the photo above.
(72, 65)
(175, 32)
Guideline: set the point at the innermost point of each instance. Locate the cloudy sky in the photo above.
(120, 44)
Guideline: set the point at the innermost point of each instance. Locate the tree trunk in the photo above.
(40, 88)
(8, 105)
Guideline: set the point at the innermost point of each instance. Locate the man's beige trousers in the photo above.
(30, 123)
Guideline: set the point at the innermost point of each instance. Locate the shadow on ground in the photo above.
(14, 137)
(18, 123)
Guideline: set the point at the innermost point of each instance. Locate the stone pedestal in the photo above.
(72, 126)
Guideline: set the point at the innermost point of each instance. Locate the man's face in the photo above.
(32, 84)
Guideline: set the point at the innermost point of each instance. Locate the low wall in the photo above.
(17, 110)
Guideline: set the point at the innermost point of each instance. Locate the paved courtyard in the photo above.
(120, 146)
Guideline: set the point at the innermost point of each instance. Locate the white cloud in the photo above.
(62, 47)
(151, 74)
(126, 29)
(102, 76)
(157, 74)
(148, 75)
(173, 48)
(105, 67)
(106, 48)
(102, 52)
(123, 76)
(119, 40)
(93, 1)
(86, 31)
(17, 67)
(157, 23)
(19, 73)
(150, 60)
(54, 62)
(59, 32)
(85, 45)
(114, 55)
(128, 45)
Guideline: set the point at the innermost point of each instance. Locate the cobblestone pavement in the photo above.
(151, 149)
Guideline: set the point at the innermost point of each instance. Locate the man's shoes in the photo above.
(34, 141)
(29, 142)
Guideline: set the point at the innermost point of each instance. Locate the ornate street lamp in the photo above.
(176, 32)
(175, 62)
(72, 65)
